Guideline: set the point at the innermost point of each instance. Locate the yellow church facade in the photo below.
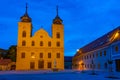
(40, 51)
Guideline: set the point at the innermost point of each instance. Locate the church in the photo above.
(40, 51)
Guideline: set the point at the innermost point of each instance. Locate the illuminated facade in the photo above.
(101, 54)
(41, 51)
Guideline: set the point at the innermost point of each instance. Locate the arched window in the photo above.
(41, 43)
(24, 34)
(33, 43)
(58, 44)
(23, 43)
(57, 35)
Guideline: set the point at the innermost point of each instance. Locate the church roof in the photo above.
(57, 19)
(25, 17)
(101, 42)
(5, 61)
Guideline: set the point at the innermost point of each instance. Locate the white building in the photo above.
(100, 53)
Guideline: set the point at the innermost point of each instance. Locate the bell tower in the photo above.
(58, 37)
(24, 27)
(24, 35)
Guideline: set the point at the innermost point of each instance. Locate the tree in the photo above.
(12, 53)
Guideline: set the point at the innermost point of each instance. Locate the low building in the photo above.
(6, 64)
(102, 54)
(68, 62)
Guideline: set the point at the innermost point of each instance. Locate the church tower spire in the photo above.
(26, 8)
(25, 17)
(57, 9)
(57, 19)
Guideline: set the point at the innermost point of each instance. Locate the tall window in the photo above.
(105, 65)
(32, 65)
(98, 65)
(90, 56)
(33, 43)
(41, 43)
(41, 64)
(100, 53)
(41, 55)
(49, 43)
(58, 55)
(49, 65)
(58, 44)
(57, 35)
(49, 55)
(24, 34)
(93, 55)
(104, 53)
(116, 48)
(23, 55)
(96, 54)
(23, 43)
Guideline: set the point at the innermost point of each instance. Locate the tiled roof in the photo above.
(103, 41)
(5, 61)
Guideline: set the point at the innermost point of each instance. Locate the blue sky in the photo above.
(84, 20)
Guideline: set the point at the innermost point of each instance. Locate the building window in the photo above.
(96, 54)
(57, 35)
(23, 43)
(32, 65)
(49, 43)
(105, 65)
(90, 56)
(100, 53)
(22, 55)
(58, 44)
(41, 55)
(23, 34)
(93, 55)
(116, 48)
(41, 64)
(98, 65)
(32, 55)
(104, 53)
(58, 55)
(88, 65)
(49, 65)
(87, 56)
(33, 43)
(41, 43)
(49, 55)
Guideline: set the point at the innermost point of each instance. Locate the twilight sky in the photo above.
(84, 20)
